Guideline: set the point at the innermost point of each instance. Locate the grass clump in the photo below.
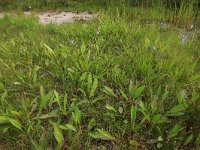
(112, 83)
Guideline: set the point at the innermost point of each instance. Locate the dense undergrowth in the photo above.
(120, 81)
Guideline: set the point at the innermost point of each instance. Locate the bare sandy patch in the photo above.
(57, 18)
(63, 17)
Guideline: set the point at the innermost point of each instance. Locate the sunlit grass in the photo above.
(120, 81)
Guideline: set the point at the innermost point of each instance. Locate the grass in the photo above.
(118, 82)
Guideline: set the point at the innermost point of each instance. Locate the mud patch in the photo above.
(63, 17)
(58, 18)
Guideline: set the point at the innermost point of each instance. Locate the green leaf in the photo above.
(42, 93)
(189, 139)
(98, 99)
(137, 93)
(120, 110)
(83, 76)
(49, 50)
(89, 82)
(133, 142)
(91, 123)
(65, 100)
(133, 115)
(124, 95)
(83, 48)
(177, 110)
(3, 120)
(68, 127)
(71, 127)
(58, 134)
(15, 123)
(77, 116)
(159, 119)
(174, 131)
(101, 134)
(160, 138)
(45, 99)
(57, 98)
(109, 91)
(93, 88)
(109, 107)
(52, 114)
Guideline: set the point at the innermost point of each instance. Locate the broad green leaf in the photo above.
(174, 131)
(83, 76)
(65, 104)
(93, 88)
(15, 113)
(159, 119)
(101, 134)
(165, 95)
(91, 123)
(83, 48)
(71, 127)
(49, 50)
(121, 110)
(137, 93)
(133, 142)
(189, 139)
(58, 134)
(57, 97)
(68, 127)
(160, 138)
(3, 120)
(109, 91)
(177, 110)
(42, 93)
(52, 114)
(45, 99)
(133, 115)
(109, 107)
(83, 92)
(106, 134)
(76, 116)
(15, 123)
(98, 99)
(89, 79)
(124, 95)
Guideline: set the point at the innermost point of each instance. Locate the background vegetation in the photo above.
(122, 81)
